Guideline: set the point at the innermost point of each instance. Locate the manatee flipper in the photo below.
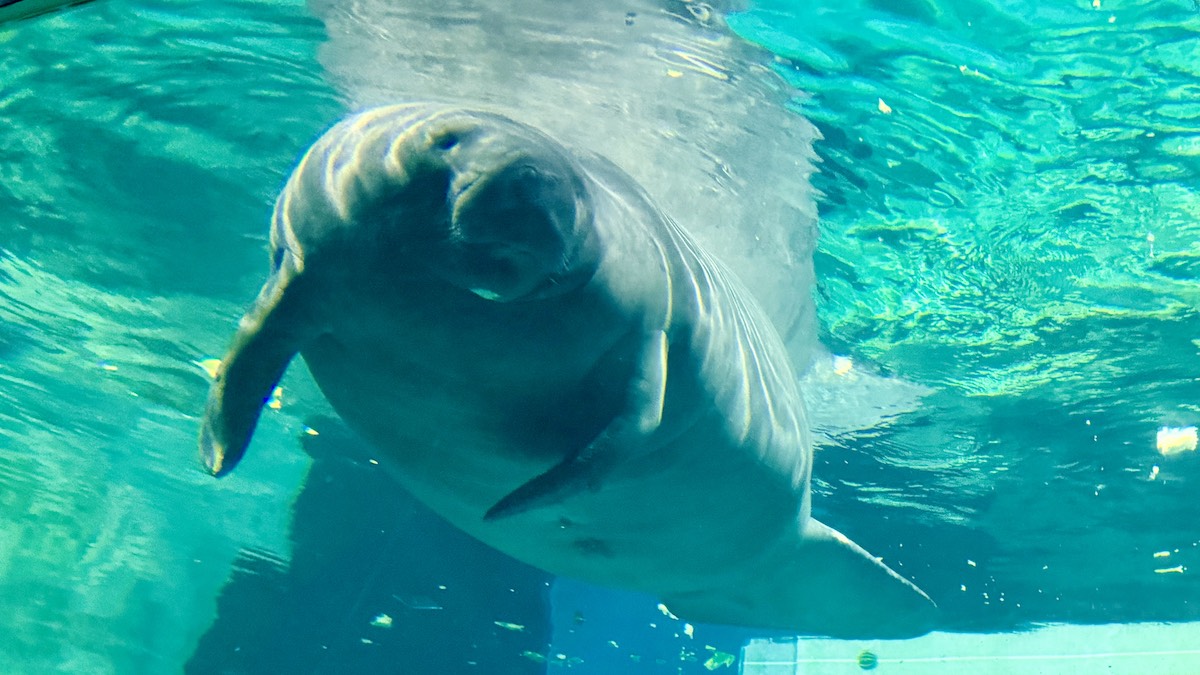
(586, 469)
(820, 583)
(268, 337)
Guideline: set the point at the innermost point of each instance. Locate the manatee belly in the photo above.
(671, 521)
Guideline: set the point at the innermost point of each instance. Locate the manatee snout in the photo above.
(516, 219)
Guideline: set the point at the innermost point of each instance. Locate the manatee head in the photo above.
(407, 192)
(493, 206)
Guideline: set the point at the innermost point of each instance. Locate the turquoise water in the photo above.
(1022, 233)
(1016, 228)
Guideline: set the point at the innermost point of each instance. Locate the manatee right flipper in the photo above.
(268, 337)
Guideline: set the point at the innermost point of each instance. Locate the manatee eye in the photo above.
(446, 141)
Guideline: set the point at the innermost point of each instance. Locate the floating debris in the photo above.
(1176, 440)
(1178, 569)
(842, 365)
(1162, 554)
(515, 627)
(689, 630)
(884, 108)
(382, 621)
(209, 366)
(276, 401)
(1154, 472)
(718, 659)
(105, 365)
(418, 602)
(555, 660)
(663, 608)
(311, 431)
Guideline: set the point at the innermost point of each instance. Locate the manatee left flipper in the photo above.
(623, 437)
(268, 337)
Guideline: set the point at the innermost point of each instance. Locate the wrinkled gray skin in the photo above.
(554, 366)
(664, 90)
(669, 95)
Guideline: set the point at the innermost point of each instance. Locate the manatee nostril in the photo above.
(529, 181)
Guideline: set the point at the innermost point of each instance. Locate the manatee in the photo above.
(548, 361)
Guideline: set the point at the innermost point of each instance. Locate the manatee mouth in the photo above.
(496, 271)
(506, 228)
(513, 207)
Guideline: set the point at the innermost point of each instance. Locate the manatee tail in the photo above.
(819, 583)
(268, 337)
